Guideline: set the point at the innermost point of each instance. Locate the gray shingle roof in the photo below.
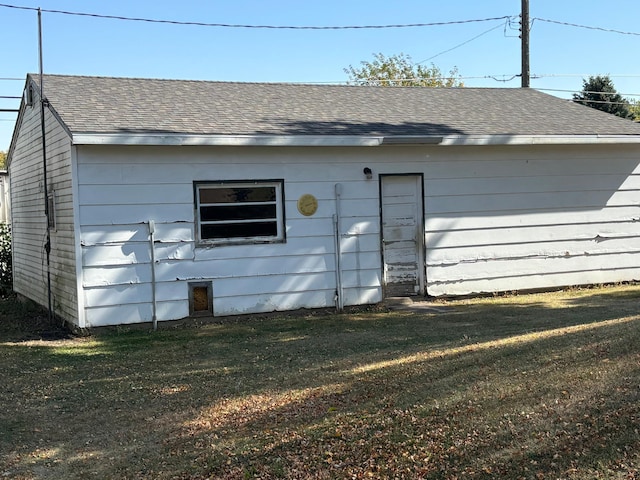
(127, 105)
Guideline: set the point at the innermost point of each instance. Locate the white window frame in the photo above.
(279, 219)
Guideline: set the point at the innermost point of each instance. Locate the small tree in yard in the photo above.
(635, 110)
(598, 92)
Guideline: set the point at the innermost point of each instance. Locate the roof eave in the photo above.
(225, 140)
(161, 139)
(539, 139)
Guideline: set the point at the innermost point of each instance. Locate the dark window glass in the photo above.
(240, 230)
(51, 205)
(237, 194)
(237, 212)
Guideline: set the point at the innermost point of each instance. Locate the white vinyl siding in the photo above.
(496, 219)
(156, 185)
(29, 220)
(534, 218)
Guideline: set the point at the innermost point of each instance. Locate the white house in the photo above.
(175, 198)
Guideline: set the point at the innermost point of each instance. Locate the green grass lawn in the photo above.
(541, 386)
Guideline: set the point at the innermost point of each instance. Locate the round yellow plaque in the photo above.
(307, 204)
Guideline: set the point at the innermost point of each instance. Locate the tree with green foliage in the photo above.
(6, 266)
(598, 92)
(634, 108)
(399, 71)
(3, 160)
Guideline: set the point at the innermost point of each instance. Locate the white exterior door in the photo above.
(402, 235)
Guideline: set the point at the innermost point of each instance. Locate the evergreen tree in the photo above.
(598, 92)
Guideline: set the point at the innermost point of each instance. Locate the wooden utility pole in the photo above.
(524, 35)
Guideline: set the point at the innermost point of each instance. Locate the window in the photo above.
(51, 210)
(29, 96)
(240, 212)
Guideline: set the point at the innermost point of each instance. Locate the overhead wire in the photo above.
(588, 27)
(507, 24)
(314, 27)
(463, 43)
(590, 91)
(274, 27)
(622, 75)
(601, 102)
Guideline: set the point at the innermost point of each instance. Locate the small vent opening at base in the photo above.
(200, 298)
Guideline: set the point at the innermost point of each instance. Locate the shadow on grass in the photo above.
(25, 321)
(495, 389)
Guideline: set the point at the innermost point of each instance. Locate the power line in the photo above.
(581, 101)
(590, 91)
(552, 75)
(310, 27)
(274, 27)
(465, 42)
(576, 25)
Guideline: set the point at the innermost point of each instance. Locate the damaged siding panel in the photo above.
(496, 229)
(242, 267)
(597, 231)
(534, 281)
(102, 276)
(116, 234)
(63, 265)
(262, 284)
(295, 246)
(524, 202)
(118, 314)
(100, 235)
(443, 224)
(262, 303)
(128, 253)
(245, 278)
(508, 268)
(528, 274)
(122, 253)
(471, 254)
(96, 215)
(134, 313)
(28, 205)
(114, 295)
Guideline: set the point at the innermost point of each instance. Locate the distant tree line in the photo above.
(400, 71)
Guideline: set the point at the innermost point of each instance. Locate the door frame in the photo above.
(421, 244)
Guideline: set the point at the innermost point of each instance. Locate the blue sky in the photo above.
(562, 54)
